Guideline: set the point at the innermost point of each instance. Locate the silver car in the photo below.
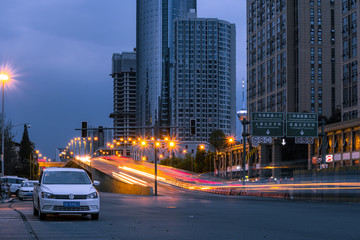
(26, 190)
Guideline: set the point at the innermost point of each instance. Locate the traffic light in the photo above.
(84, 129)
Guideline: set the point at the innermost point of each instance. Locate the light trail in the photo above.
(152, 176)
(129, 179)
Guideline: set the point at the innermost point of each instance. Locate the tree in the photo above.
(199, 162)
(10, 156)
(26, 153)
(217, 139)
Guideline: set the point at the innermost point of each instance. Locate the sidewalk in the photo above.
(11, 224)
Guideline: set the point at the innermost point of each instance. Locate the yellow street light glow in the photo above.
(125, 141)
(45, 158)
(143, 143)
(108, 144)
(184, 151)
(95, 138)
(89, 138)
(129, 139)
(114, 141)
(121, 139)
(143, 158)
(4, 77)
(134, 142)
(40, 155)
(171, 144)
(112, 146)
(157, 144)
(166, 139)
(161, 156)
(139, 139)
(71, 152)
(152, 139)
(37, 151)
(118, 143)
(202, 146)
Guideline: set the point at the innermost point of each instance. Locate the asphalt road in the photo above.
(181, 214)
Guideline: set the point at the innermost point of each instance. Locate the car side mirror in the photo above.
(96, 183)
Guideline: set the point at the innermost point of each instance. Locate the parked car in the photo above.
(26, 189)
(14, 182)
(65, 191)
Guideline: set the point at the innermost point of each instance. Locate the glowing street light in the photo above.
(3, 77)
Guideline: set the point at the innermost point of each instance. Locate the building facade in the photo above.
(294, 56)
(154, 43)
(350, 58)
(204, 78)
(124, 95)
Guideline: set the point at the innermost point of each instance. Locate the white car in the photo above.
(26, 189)
(13, 181)
(66, 191)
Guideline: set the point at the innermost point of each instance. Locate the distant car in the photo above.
(26, 189)
(65, 191)
(14, 182)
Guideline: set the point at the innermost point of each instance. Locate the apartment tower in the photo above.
(204, 78)
(294, 56)
(124, 78)
(350, 58)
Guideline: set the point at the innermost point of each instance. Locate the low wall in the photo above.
(334, 184)
(108, 183)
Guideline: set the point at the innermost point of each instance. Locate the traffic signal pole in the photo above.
(244, 134)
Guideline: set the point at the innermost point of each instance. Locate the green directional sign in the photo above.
(267, 124)
(301, 125)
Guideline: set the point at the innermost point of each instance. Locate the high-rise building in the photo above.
(350, 59)
(203, 96)
(154, 43)
(294, 56)
(124, 75)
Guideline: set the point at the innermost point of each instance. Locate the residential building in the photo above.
(124, 92)
(294, 65)
(203, 96)
(294, 56)
(350, 59)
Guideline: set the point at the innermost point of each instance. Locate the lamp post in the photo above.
(3, 78)
(245, 134)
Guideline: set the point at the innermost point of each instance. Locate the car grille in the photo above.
(67, 196)
(71, 209)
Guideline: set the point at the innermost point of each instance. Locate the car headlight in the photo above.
(92, 195)
(47, 195)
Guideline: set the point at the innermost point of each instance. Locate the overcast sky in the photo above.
(60, 52)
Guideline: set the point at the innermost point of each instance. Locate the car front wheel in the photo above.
(42, 216)
(35, 211)
(95, 216)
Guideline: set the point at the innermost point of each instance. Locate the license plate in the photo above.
(71, 204)
(29, 194)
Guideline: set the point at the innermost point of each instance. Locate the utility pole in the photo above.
(323, 143)
(244, 134)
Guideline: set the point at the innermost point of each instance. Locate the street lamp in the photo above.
(3, 78)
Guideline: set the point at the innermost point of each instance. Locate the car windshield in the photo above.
(27, 184)
(66, 177)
